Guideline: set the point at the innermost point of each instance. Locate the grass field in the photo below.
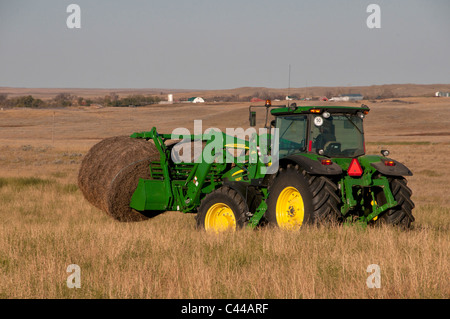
(46, 225)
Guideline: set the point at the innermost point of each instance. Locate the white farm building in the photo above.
(347, 97)
(196, 100)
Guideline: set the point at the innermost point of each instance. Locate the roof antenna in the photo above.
(289, 84)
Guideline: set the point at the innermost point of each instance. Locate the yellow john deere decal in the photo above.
(237, 146)
(238, 172)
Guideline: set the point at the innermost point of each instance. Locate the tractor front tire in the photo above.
(222, 210)
(297, 198)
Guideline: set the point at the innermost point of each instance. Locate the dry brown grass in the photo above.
(46, 225)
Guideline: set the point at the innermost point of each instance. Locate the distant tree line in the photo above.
(131, 100)
(113, 100)
(21, 101)
(66, 99)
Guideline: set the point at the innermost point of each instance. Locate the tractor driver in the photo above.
(324, 135)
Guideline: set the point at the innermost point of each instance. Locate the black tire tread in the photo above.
(401, 214)
(231, 194)
(325, 200)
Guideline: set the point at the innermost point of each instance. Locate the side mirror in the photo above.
(252, 119)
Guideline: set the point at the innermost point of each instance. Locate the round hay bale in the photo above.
(122, 188)
(110, 171)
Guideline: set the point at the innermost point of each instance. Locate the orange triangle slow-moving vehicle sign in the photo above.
(355, 168)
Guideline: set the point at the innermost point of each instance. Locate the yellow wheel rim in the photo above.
(219, 218)
(290, 210)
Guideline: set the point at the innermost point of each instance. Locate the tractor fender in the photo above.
(247, 192)
(311, 166)
(240, 188)
(397, 170)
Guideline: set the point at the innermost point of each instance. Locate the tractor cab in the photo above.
(331, 131)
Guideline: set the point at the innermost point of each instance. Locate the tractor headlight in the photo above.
(361, 115)
(326, 115)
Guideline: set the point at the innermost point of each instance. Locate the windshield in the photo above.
(292, 131)
(338, 136)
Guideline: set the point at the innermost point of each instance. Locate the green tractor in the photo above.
(321, 175)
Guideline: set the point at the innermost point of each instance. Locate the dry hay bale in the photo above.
(110, 171)
(122, 188)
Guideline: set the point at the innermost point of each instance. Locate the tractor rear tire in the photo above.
(400, 215)
(222, 210)
(297, 198)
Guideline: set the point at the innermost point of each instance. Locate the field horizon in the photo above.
(394, 90)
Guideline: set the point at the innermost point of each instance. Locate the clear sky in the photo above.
(222, 44)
